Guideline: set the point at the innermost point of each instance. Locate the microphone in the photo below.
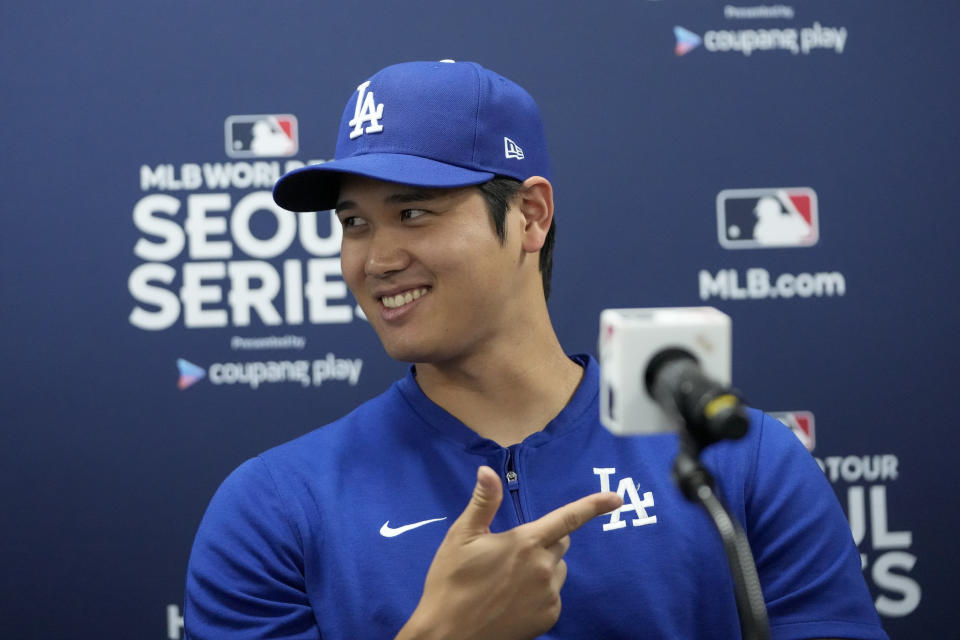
(666, 367)
(710, 410)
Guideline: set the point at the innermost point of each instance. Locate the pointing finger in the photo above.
(570, 517)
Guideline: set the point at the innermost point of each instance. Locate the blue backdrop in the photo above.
(161, 321)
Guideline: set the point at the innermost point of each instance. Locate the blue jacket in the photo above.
(310, 539)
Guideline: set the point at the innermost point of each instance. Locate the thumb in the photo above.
(484, 502)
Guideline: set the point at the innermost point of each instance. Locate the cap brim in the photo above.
(316, 187)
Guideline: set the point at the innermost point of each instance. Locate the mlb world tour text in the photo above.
(230, 273)
(885, 554)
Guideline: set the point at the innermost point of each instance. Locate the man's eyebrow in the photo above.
(345, 205)
(417, 195)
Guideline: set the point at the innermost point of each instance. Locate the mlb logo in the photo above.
(802, 425)
(767, 218)
(261, 136)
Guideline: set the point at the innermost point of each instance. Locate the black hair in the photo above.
(498, 193)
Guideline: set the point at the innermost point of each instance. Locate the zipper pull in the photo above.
(513, 484)
(511, 473)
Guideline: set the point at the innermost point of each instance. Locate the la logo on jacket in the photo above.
(627, 490)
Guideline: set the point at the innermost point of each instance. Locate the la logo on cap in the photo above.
(368, 112)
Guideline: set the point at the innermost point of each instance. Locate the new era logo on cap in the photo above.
(261, 136)
(511, 149)
(767, 218)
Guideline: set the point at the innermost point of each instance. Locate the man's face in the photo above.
(428, 269)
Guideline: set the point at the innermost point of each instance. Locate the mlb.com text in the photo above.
(759, 285)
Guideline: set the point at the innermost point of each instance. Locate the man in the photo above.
(359, 530)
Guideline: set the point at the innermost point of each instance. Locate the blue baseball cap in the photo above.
(426, 124)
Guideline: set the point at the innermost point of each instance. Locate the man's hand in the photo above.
(499, 585)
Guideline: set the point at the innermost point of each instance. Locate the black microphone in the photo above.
(668, 369)
(711, 411)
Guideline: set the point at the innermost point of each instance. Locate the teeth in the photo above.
(392, 302)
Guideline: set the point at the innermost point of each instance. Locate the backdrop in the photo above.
(162, 320)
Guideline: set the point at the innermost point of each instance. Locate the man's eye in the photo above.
(410, 214)
(352, 221)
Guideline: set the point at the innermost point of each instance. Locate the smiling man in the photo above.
(472, 499)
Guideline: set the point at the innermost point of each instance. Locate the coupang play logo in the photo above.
(253, 375)
(746, 42)
(190, 374)
(687, 41)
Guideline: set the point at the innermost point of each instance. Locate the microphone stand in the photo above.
(697, 484)
(707, 413)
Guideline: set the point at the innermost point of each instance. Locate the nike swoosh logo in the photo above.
(388, 532)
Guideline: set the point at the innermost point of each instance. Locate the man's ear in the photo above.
(535, 201)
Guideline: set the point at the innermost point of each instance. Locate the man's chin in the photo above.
(407, 352)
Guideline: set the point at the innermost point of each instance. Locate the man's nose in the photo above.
(386, 253)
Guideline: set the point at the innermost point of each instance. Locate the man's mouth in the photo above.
(406, 297)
